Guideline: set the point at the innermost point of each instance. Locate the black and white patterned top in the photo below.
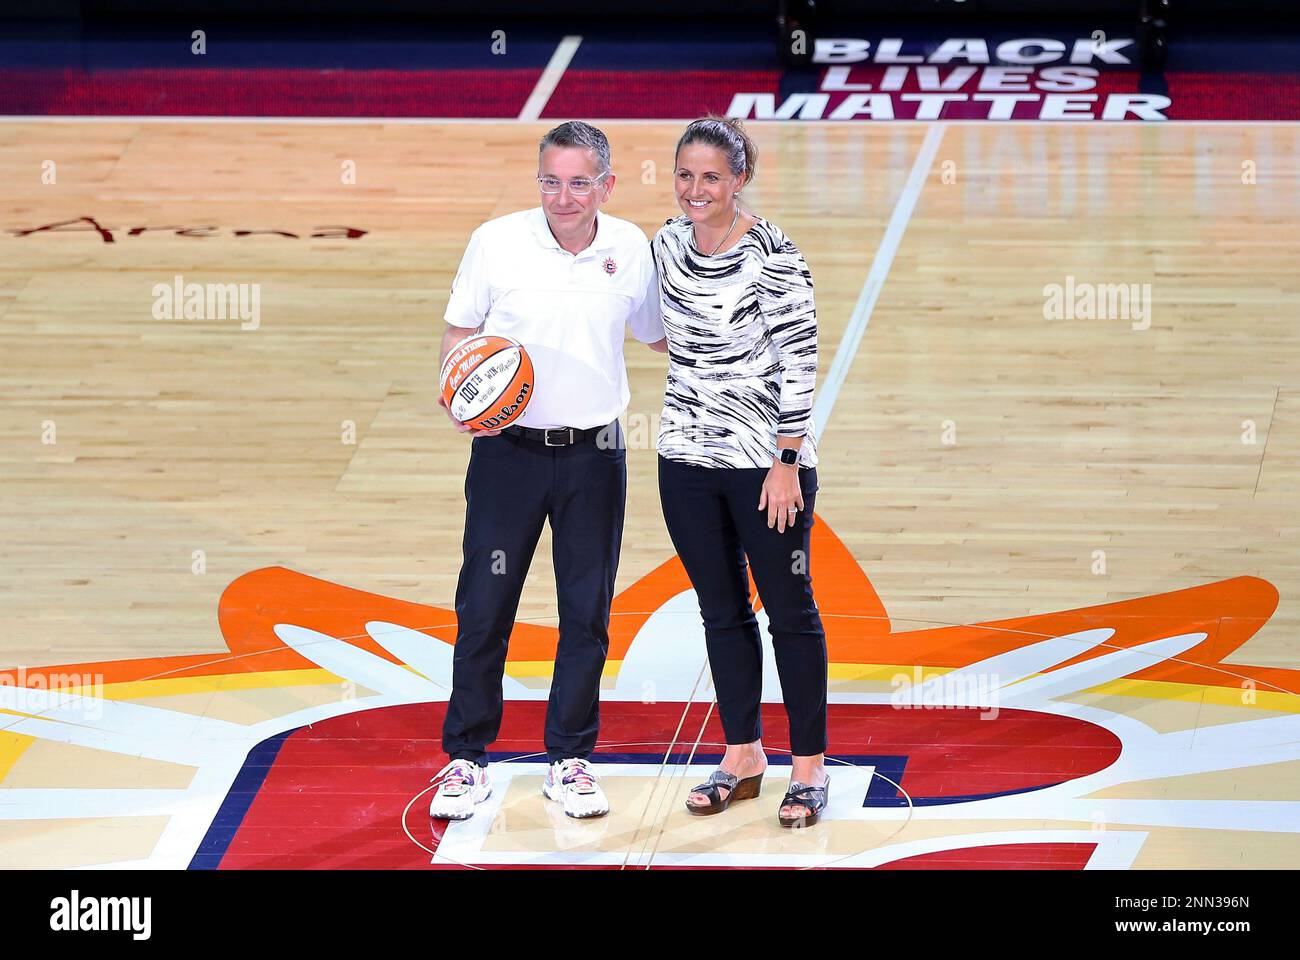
(742, 348)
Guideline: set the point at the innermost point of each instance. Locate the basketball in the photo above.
(487, 382)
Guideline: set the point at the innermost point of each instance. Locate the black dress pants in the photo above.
(715, 524)
(513, 486)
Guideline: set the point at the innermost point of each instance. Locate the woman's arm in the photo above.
(785, 300)
(652, 306)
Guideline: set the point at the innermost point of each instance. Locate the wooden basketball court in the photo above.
(982, 463)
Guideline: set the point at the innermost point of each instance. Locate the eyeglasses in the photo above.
(579, 187)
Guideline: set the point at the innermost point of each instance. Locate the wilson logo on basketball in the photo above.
(480, 375)
(510, 411)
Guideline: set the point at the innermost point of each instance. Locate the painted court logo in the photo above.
(207, 231)
(75, 913)
(962, 78)
(80, 696)
(1098, 754)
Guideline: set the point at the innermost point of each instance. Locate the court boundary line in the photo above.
(550, 78)
(1272, 419)
(881, 264)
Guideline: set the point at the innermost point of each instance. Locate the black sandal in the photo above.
(802, 795)
(737, 789)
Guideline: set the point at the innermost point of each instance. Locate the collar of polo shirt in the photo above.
(542, 230)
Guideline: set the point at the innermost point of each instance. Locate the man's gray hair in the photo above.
(575, 133)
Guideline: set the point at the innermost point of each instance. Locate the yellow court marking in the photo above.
(12, 746)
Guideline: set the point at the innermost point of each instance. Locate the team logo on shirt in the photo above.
(610, 266)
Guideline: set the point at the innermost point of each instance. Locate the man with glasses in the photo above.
(565, 281)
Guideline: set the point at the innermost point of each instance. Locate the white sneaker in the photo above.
(573, 783)
(461, 784)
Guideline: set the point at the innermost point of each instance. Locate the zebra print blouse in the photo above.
(742, 348)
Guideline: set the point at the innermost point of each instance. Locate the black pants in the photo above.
(714, 521)
(512, 487)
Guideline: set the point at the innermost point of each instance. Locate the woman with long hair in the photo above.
(737, 459)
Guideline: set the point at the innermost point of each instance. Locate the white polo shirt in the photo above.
(569, 311)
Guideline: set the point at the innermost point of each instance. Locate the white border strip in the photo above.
(550, 78)
(870, 293)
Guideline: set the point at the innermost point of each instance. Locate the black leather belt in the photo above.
(557, 437)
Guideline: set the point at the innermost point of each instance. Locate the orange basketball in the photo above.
(487, 382)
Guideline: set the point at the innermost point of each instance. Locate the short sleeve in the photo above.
(647, 321)
(471, 296)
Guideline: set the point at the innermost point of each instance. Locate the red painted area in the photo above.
(1004, 856)
(335, 794)
(654, 94)
(631, 94)
(1235, 96)
(290, 92)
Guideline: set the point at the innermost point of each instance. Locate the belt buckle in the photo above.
(546, 438)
